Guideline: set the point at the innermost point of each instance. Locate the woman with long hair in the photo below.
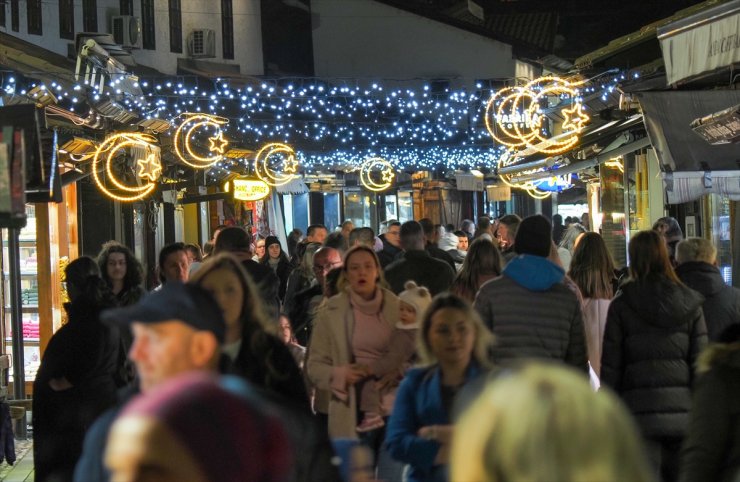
(654, 333)
(123, 273)
(77, 378)
(251, 344)
(483, 262)
(351, 332)
(278, 261)
(453, 346)
(544, 423)
(592, 270)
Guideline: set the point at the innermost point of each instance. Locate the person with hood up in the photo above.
(697, 269)
(671, 232)
(448, 242)
(654, 333)
(711, 450)
(529, 309)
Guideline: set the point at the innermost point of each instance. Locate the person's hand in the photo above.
(389, 380)
(438, 433)
(355, 373)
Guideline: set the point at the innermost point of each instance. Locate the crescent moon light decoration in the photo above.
(530, 187)
(190, 128)
(275, 155)
(146, 164)
(514, 118)
(376, 165)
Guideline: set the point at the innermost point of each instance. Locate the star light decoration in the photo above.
(149, 168)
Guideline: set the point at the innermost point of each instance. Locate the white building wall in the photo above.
(367, 39)
(195, 14)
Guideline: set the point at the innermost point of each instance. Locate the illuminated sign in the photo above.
(250, 189)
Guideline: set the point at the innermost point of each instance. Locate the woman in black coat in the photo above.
(76, 380)
(276, 259)
(711, 451)
(654, 332)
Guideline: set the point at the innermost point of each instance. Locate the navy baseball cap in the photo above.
(187, 303)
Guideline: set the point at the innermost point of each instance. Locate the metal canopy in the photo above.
(668, 116)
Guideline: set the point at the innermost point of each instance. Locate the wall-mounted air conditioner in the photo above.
(202, 43)
(127, 31)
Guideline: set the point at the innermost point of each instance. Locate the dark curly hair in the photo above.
(134, 278)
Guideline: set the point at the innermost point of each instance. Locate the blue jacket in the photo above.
(418, 404)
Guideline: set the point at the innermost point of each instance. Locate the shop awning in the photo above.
(701, 43)
(685, 186)
(295, 186)
(668, 116)
(467, 181)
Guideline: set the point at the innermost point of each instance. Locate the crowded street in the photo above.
(369, 241)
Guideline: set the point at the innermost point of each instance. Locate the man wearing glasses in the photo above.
(391, 244)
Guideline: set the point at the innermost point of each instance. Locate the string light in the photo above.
(383, 167)
(110, 148)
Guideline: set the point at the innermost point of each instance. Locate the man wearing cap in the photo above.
(529, 309)
(177, 329)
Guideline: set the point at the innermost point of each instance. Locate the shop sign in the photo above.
(707, 47)
(250, 189)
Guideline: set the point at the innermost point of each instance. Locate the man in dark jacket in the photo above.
(529, 309)
(417, 264)
(431, 247)
(236, 241)
(391, 244)
(697, 268)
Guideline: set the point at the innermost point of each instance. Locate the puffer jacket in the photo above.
(722, 302)
(711, 451)
(654, 333)
(533, 314)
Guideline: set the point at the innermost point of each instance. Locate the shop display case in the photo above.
(29, 297)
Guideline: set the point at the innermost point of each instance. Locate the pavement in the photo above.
(22, 470)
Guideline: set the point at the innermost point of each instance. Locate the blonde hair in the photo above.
(483, 337)
(343, 284)
(696, 249)
(545, 424)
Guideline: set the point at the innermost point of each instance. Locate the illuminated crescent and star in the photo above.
(273, 155)
(148, 168)
(185, 132)
(376, 164)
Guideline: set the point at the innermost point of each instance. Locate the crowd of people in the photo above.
(503, 350)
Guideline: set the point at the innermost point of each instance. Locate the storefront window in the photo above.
(613, 224)
(295, 212)
(405, 206)
(391, 207)
(331, 210)
(360, 209)
(719, 214)
(29, 296)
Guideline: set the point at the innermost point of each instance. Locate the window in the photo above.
(67, 19)
(175, 27)
(2, 14)
(127, 7)
(227, 28)
(147, 25)
(90, 15)
(33, 17)
(15, 16)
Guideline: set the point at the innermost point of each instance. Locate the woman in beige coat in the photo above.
(351, 331)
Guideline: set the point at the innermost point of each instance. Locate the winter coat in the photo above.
(419, 404)
(711, 451)
(441, 255)
(331, 347)
(389, 253)
(722, 303)
(85, 352)
(533, 314)
(282, 271)
(654, 333)
(422, 268)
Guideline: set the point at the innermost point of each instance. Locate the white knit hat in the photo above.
(416, 296)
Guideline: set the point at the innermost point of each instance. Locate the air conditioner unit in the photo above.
(127, 31)
(202, 43)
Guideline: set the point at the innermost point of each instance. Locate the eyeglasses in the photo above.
(326, 267)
